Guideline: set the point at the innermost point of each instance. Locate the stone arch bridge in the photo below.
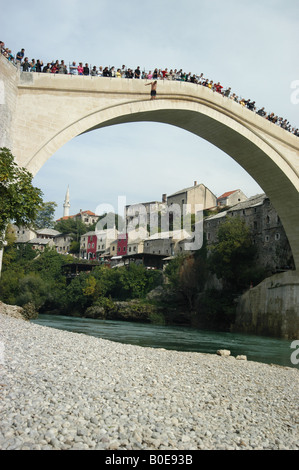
(39, 113)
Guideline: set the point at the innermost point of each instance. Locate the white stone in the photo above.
(241, 357)
(223, 352)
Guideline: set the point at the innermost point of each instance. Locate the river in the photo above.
(179, 338)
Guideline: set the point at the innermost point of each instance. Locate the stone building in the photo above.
(188, 198)
(44, 237)
(23, 234)
(144, 214)
(63, 243)
(230, 198)
(274, 252)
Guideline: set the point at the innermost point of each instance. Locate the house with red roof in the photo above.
(87, 217)
(230, 198)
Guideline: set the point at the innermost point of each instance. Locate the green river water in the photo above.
(179, 338)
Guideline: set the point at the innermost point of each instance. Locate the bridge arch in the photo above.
(42, 112)
(262, 159)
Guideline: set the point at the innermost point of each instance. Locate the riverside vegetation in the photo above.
(178, 295)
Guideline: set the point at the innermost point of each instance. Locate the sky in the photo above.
(250, 46)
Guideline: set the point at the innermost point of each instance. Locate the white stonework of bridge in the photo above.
(39, 113)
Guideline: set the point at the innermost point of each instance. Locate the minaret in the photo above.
(66, 205)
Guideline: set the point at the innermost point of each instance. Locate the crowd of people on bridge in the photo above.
(81, 68)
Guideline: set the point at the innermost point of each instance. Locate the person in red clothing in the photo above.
(218, 87)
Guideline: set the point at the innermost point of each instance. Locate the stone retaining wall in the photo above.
(271, 308)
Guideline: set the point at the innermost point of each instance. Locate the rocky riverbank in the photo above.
(12, 311)
(62, 390)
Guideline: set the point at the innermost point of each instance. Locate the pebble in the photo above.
(69, 391)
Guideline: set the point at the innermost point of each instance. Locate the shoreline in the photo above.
(64, 390)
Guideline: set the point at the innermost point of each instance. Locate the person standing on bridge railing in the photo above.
(153, 89)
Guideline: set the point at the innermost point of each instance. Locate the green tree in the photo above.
(75, 247)
(107, 282)
(71, 226)
(74, 300)
(233, 256)
(32, 289)
(188, 274)
(136, 281)
(172, 270)
(20, 200)
(45, 215)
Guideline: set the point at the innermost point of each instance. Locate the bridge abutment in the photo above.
(271, 308)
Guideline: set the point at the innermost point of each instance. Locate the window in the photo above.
(267, 238)
(277, 236)
(267, 219)
(255, 225)
(113, 248)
